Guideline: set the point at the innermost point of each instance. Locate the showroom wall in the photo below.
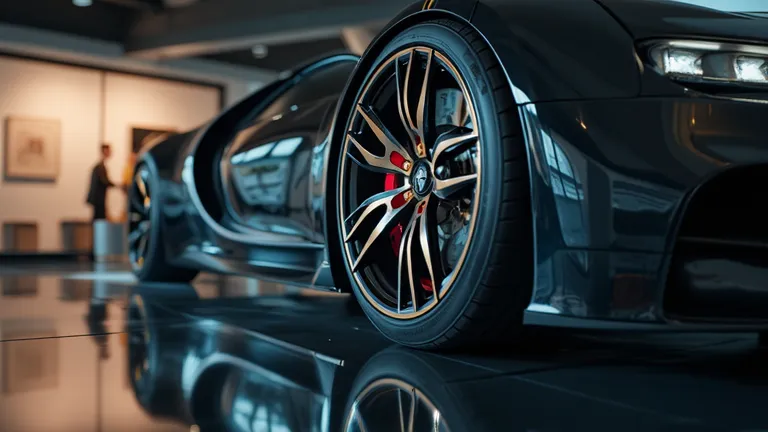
(89, 105)
(148, 103)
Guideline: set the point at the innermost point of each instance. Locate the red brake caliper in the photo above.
(396, 235)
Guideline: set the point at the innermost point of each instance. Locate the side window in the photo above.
(320, 84)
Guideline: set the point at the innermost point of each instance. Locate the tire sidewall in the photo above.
(427, 329)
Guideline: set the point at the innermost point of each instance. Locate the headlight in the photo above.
(713, 62)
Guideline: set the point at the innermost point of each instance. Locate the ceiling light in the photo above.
(259, 51)
(82, 3)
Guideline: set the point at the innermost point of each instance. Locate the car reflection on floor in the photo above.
(306, 363)
(232, 354)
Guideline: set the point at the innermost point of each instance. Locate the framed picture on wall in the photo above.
(32, 149)
(142, 136)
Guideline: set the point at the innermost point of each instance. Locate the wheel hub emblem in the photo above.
(422, 180)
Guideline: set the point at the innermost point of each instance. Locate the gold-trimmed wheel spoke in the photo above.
(379, 163)
(444, 188)
(384, 199)
(421, 109)
(390, 143)
(140, 183)
(405, 260)
(368, 206)
(457, 139)
(419, 243)
(140, 222)
(403, 79)
(141, 248)
(141, 202)
(430, 249)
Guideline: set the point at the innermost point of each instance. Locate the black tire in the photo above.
(494, 286)
(155, 267)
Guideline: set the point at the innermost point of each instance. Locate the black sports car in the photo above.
(485, 164)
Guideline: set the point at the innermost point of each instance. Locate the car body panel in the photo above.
(560, 49)
(200, 217)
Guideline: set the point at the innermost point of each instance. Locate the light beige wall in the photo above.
(151, 103)
(74, 96)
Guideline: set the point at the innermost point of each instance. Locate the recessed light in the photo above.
(82, 3)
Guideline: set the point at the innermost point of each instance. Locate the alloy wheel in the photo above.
(409, 182)
(140, 222)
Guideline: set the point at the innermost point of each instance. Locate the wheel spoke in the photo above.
(143, 201)
(140, 183)
(360, 422)
(412, 414)
(386, 139)
(141, 248)
(429, 247)
(452, 140)
(138, 207)
(369, 205)
(421, 109)
(403, 105)
(447, 187)
(404, 258)
(400, 409)
(378, 163)
(141, 230)
(395, 201)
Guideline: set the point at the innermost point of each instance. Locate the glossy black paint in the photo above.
(583, 53)
(616, 153)
(698, 19)
(272, 162)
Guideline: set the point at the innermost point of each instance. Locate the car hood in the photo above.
(727, 19)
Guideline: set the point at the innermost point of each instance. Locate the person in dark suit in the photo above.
(100, 183)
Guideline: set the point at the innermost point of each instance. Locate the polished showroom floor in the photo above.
(87, 349)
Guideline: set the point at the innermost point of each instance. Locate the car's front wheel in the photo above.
(433, 192)
(146, 251)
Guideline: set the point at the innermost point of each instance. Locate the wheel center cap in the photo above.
(421, 179)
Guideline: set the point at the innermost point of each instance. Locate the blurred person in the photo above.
(100, 183)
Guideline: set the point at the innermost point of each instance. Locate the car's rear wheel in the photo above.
(433, 192)
(145, 239)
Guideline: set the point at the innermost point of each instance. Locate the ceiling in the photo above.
(283, 56)
(146, 23)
